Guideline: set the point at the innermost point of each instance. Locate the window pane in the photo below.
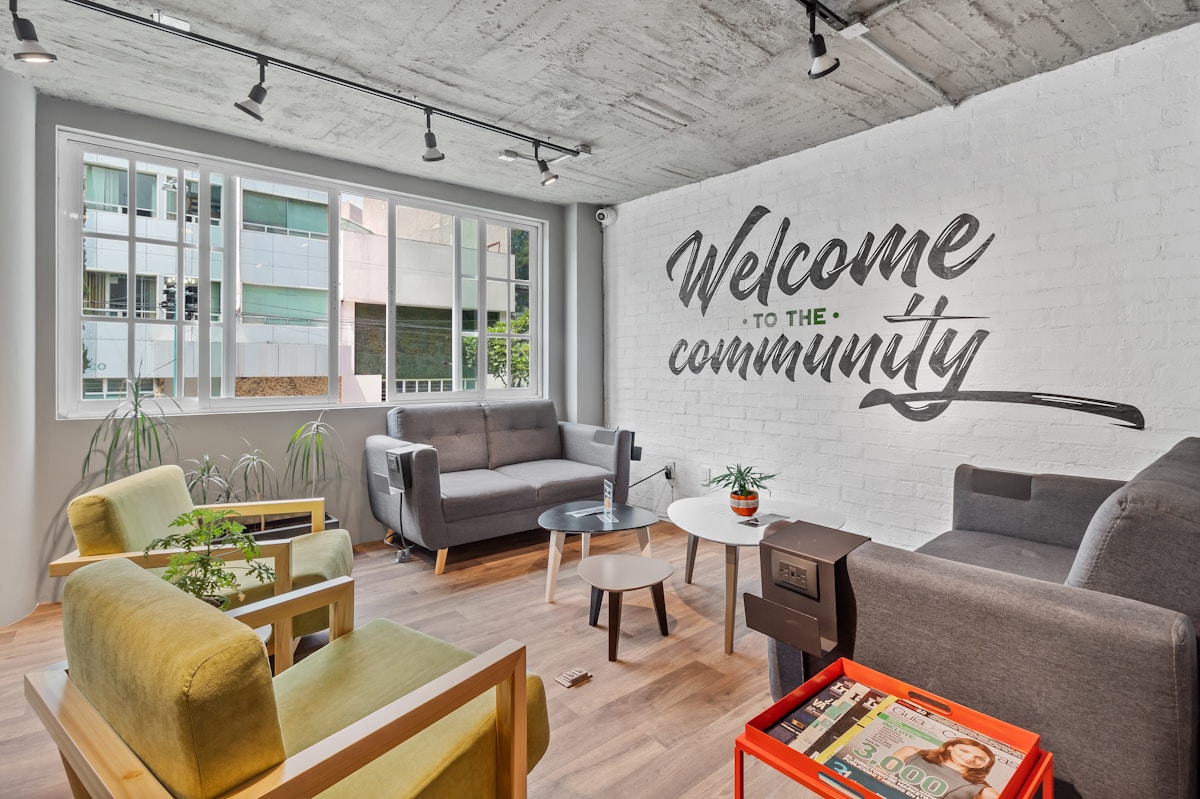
(283, 324)
(105, 277)
(105, 350)
(520, 253)
(362, 342)
(190, 358)
(497, 252)
(469, 246)
(157, 265)
(154, 357)
(424, 300)
(469, 299)
(150, 181)
(105, 194)
(470, 356)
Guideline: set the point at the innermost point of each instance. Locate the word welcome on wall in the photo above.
(948, 257)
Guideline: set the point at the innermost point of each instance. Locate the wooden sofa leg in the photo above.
(440, 565)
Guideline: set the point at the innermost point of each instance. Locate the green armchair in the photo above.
(119, 519)
(166, 696)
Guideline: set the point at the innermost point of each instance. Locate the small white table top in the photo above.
(710, 517)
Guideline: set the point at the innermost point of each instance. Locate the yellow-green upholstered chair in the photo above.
(164, 695)
(120, 518)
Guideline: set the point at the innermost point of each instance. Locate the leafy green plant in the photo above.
(197, 570)
(252, 478)
(206, 483)
(311, 448)
(130, 437)
(741, 480)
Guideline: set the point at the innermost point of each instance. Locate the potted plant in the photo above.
(197, 569)
(130, 436)
(205, 481)
(308, 453)
(744, 483)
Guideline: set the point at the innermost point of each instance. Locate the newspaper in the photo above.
(896, 748)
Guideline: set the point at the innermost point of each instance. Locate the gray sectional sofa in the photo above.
(1065, 605)
(478, 470)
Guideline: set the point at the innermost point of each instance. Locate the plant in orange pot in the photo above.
(744, 483)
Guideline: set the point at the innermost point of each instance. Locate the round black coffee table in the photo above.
(560, 521)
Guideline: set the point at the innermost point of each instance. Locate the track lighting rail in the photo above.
(327, 77)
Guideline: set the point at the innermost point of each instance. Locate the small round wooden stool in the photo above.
(617, 574)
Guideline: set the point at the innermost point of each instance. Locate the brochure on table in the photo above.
(607, 516)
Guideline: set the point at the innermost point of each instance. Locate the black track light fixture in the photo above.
(252, 105)
(432, 153)
(548, 177)
(823, 63)
(29, 49)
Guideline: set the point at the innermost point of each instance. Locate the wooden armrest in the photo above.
(281, 551)
(313, 506)
(278, 611)
(332, 759)
(102, 762)
(91, 750)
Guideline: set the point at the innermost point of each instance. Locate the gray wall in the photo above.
(585, 323)
(64, 443)
(19, 565)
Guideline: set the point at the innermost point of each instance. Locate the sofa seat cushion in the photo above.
(557, 481)
(377, 664)
(481, 492)
(1003, 553)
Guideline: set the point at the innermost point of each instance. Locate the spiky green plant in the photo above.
(131, 436)
(253, 478)
(309, 452)
(206, 482)
(741, 480)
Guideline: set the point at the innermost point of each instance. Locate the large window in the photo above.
(280, 289)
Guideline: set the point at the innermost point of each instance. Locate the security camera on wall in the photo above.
(606, 216)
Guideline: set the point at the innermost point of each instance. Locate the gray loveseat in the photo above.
(478, 470)
(1066, 605)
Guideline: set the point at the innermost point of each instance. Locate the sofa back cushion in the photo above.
(1144, 541)
(127, 514)
(522, 431)
(456, 430)
(187, 687)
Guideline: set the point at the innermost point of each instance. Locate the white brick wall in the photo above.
(1089, 178)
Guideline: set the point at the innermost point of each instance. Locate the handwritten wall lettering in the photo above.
(954, 252)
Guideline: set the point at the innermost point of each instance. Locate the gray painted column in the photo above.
(583, 248)
(19, 566)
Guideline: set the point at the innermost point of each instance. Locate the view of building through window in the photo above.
(260, 322)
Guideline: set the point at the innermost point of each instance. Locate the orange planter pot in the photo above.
(744, 504)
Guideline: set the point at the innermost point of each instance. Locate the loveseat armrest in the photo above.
(1046, 508)
(1109, 683)
(418, 510)
(601, 447)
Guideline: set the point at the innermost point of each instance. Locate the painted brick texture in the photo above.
(1087, 181)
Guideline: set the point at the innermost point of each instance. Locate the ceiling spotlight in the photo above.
(823, 63)
(252, 105)
(29, 50)
(548, 177)
(432, 153)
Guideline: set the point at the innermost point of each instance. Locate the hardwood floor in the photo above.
(659, 722)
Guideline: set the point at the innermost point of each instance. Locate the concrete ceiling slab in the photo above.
(666, 93)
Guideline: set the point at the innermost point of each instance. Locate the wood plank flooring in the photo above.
(659, 722)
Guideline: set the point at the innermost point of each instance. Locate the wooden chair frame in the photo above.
(100, 765)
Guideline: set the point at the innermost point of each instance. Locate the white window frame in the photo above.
(70, 404)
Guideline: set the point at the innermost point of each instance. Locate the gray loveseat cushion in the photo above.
(481, 492)
(457, 431)
(521, 431)
(1005, 553)
(558, 481)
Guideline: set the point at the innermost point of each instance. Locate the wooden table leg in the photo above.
(644, 542)
(594, 613)
(690, 562)
(660, 606)
(731, 578)
(557, 537)
(614, 623)
(586, 545)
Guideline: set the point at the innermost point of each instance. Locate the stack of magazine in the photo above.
(895, 747)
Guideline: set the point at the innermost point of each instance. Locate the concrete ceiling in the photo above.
(666, 92)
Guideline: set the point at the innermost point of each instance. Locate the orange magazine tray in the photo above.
(1035, 771)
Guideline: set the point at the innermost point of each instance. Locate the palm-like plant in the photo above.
(253, 477)
(308, 453)
(744, 481)
(131, 436)
(206, 482)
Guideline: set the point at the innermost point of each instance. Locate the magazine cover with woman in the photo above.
(896, 748)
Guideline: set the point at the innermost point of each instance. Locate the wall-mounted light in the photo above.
(432, 153)
(29, 49)
(252, 105)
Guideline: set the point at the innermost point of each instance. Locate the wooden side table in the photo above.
(617, 574)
